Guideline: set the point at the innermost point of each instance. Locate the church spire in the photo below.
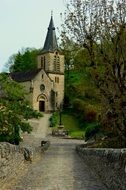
(51, 41)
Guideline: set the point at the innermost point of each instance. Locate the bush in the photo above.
(54, 119)
(90, 115)
(89, 93)
(30, 113)
(91, 131)
(87, 112)
(79, 105)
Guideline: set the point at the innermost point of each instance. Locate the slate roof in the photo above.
(24, 76)
(51, 41)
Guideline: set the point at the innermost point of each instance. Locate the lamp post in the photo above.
(60, 115)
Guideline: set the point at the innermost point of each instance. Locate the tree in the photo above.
(68, 48)
(100, 27)
(24, 60)
(12, 118)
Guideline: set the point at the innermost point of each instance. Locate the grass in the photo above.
(77, 134)
(72, 125)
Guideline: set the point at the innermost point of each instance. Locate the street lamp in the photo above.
(60, 115)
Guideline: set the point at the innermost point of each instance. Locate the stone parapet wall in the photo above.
(108, 164)
(13, 158)
(11, 161)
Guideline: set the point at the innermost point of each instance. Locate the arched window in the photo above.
(43, 62)
(56, 79)
(56, 62)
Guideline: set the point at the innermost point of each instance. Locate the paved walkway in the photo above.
(59, 169)
(40, 131)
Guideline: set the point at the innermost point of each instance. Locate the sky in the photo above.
(24, 23)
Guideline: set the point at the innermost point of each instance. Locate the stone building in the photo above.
(45, 85)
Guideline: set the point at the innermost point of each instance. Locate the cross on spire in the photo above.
(51, 13)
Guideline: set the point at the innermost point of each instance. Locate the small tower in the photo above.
(51, 61)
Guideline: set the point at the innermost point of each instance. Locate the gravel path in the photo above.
(60, 168)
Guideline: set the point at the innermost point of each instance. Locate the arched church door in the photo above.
(41, 106)
(42, 103)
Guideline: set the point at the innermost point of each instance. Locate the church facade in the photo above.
(45, 85)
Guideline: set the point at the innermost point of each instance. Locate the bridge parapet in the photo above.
(109, 164)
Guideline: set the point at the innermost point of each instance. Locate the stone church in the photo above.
(45, 85)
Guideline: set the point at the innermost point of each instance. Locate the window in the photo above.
(58, 59)
(56, 62)
(56, 79)
(43, 62)
(58, 67)
(42, 87)
(31, 89)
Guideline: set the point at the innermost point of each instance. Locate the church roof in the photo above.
(51, 41)
(24, 76)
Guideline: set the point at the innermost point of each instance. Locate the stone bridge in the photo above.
(59, 168)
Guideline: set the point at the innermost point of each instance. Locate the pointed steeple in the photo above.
(51, 41)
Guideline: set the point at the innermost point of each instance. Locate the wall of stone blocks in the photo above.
(11, 161)
(108, 164)
(49, 61)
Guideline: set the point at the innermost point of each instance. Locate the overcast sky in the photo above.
(23, 23)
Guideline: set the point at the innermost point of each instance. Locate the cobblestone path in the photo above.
(59, 169)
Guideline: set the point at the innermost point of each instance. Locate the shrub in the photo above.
(90, 115)
(89, 93)
(79, 105)
(54, 119)
(91, 131)
(30, 113)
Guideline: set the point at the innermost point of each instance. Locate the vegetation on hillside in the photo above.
(99, 29)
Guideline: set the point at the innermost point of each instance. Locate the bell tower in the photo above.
(51, 60)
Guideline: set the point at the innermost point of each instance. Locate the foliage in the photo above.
(100, 28)
(14, 109)
(68, 48)
(54, 119)
(30, 113)
(114, 142)
(72, 125)
(90, 115)
(24, 60)
(79, 105)
(91, 131)
(70, 122)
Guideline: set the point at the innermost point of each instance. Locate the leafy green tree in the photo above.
(14, 110)
(100, 27)
(24, 60)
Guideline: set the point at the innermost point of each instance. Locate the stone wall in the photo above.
(11, 161)
(109, 164)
